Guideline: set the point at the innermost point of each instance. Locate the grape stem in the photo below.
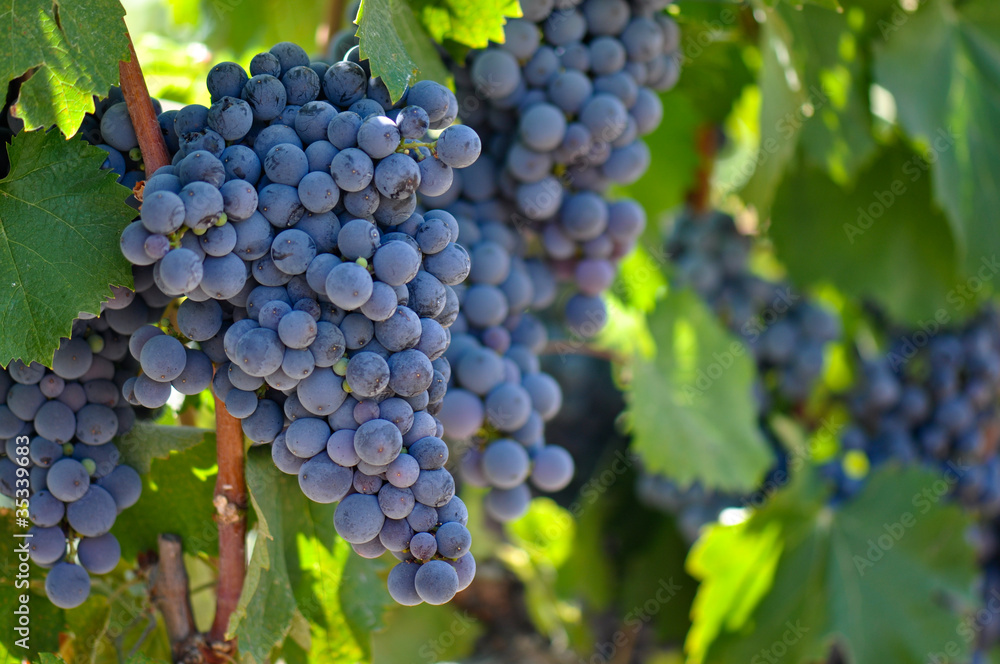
(230, 503)
(142, 113)
(409, 145)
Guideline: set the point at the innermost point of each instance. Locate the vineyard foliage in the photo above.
(857, 140)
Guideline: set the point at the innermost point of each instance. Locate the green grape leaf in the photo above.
(473, 24)
(396, 46)
(177, 494)
(881, 238)
(76, 47)
(146, 441)
(952, 109)
(60, 220)
(881, 576)
(675, 399)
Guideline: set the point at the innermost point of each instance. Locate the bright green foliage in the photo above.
(881, 238)
(473, 24)
(675, 399)
(76, 47)
(397, 47)
(303, 583)
(879, 575)
(60, 219)
(952, 108)
(176, 496)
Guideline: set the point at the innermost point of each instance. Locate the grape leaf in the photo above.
(76, 47)
(881, 575)
(396, 46)
(146, 441)
(880, 238)
(952, 109)
(176, 498)
(675, 399)
(474, 24)
(60, 220)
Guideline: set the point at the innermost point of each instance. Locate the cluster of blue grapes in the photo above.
(786, 332)
(318, 291)
(932, 399)
(498, 399)
(562, 106)
(59, 464)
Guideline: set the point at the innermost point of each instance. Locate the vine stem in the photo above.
(707, 144)
(230, 488)
(230, 505)
(142, 113)
(169, 592)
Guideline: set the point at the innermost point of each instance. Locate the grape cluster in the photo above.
(59, 464)
(288, 223)
(562, 105)
(931, 399)
(786, 332)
